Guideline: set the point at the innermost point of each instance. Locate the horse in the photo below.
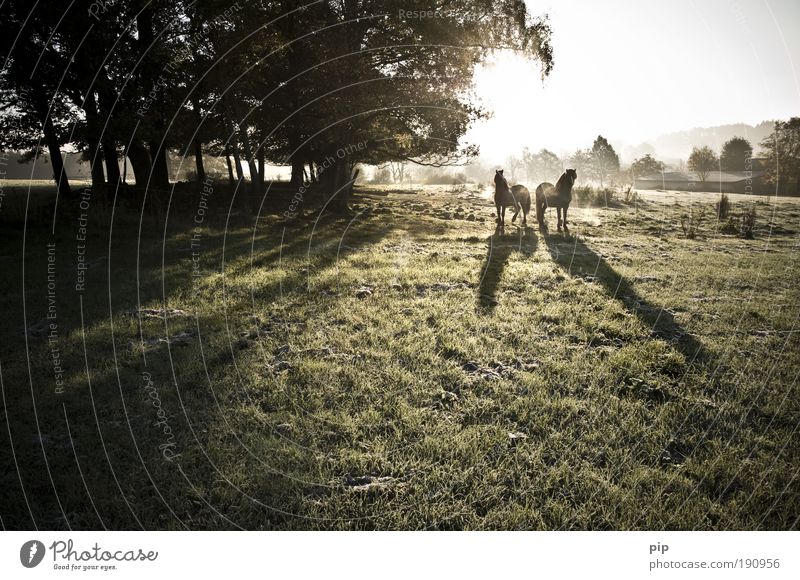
(517, 197)
(558, 196)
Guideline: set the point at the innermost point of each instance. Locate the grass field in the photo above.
(406, 368)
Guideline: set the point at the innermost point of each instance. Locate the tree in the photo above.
(646, 165)
(542, 166)
(321, 86)
(702, 161)
(783, 150)
(513, 165)
(735, 153)
(604, 160)
(581, 161)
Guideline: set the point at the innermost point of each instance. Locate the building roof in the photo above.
(712, 177)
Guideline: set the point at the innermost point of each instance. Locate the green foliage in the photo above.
(604, 161)
(692, 222)
(723, 207)
(646, 165)
(782, 149)
(748, 222)
(588, 196)
(542, 166)
(702, 161)
(324, 86)
(736, 153)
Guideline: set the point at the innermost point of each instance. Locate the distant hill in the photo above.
(674, 146)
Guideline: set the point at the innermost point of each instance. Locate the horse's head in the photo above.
(573, 175)
(500, 183)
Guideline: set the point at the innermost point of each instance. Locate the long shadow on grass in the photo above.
(498, 250)
(50, 435)
(579, 260)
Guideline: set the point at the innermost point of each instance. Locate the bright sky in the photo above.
(634, 69)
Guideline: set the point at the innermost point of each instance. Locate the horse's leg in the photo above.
(497, 205)
(565, 218)
(558, 213)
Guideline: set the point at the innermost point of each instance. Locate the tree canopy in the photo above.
(782, 149)
(735, 153)
(646, 165)
(604, 161)
(318, 86)
(703, 161)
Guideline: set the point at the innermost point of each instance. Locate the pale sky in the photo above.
(634, 69)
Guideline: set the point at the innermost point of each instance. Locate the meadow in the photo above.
(406, 367)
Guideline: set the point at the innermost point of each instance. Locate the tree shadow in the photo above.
(579, 260)
(499, 248)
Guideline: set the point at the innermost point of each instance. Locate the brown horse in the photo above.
(558, 196)
(517, 197)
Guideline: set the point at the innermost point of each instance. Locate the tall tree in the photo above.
(735, 153)
(782, 148)
(646, 165)
(703, 161)
(604, 160)
(542, 166)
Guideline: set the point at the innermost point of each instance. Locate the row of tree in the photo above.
(319, 86)
(601, 164)
(781, 149)
(598, 163)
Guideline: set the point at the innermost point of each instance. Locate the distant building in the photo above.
(720, 181)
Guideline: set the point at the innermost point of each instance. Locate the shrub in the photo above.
(631, 195)
(748, 223)
(586, 195)
(732, 226)
(604, 197)
(723, 207)
(691, 222)
(583, 194)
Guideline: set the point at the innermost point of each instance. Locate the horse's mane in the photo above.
(565, 183)
(500, 182)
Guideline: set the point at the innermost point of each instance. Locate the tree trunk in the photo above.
(112, 163)
(198, 147)
(98, 177)
(261, 169)
(95, 162)
(237, 162)
(298, 168)
(140, 162)
(158, 156)
(198, 160)
(339, 184)
(57, 161)
(230, 166)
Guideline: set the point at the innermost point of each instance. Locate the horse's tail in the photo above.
(541, 203)
(526, 203)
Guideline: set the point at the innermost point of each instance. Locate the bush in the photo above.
(382, 176)
(723, 207)
(583, 194)
(748, 223)
(631, 195)
(444, 178)
(731, 227)
(589, 196)
(691, 222)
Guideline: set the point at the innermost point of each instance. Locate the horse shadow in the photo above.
(580, 261)
(499, 247)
